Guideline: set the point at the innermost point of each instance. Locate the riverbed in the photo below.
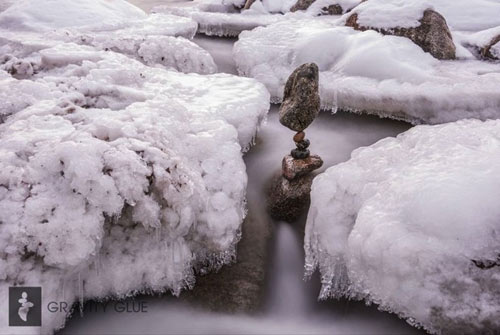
(290, 304)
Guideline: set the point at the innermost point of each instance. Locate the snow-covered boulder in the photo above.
(367, 72)
(412, 224)
(118, 177)
(37, 15)
(156, 39)
(414, 20)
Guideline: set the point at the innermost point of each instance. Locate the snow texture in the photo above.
(117, 175)
(412, 224)
(367, 72)
(390, 14)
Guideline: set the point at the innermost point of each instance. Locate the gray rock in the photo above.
(293, 168)
(248, 4)
(302, 5)
(433, 34)
(301, 102)
(300, 153)
(334, 9)
(289, 199)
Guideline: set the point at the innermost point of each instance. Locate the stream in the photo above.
(291, 305)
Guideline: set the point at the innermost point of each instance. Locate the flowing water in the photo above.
(290, 306)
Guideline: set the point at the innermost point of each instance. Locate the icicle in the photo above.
(63, 289)
(80, 292)
(97, 264)
(158, 233)
(335, 106)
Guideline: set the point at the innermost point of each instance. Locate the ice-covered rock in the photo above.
(156, 39)
(117, 177)
(367, 72)
(412, 224)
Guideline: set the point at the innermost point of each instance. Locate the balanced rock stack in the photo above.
(290, 191)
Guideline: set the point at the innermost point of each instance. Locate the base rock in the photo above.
(289, 199)
(293, 168)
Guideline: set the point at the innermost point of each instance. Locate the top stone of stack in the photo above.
(301, 102)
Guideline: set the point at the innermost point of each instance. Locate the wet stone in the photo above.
(293, 168)
(300, 154)
(304, 144)
(301, 101)
(299, 136)
(289, 199)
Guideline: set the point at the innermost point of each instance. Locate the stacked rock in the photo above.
(290, 192)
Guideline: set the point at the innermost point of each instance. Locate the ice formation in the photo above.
(367, 72)
(159, 39)
(229, 18)
(118, 175)
(412, 223)
(214, 23)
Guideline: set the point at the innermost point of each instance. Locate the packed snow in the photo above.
(367, 72)
(119, 174)
(53, 14)
(412, 223)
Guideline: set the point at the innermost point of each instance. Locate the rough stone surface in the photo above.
(433, 34)
(299, 136)
(487, 53)
(304, 144)
(288, 200)
(248, 4)
(334, 9)
(293, 168)
(300, 153)
(301, 5)
(301, 102)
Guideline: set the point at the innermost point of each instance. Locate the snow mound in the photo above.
(389, 14)
(158, 40)
(118, 177)
(412, 223)
(461, 15)
(368, 72)
(37, 15)
(171, 52)
(466, 16)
